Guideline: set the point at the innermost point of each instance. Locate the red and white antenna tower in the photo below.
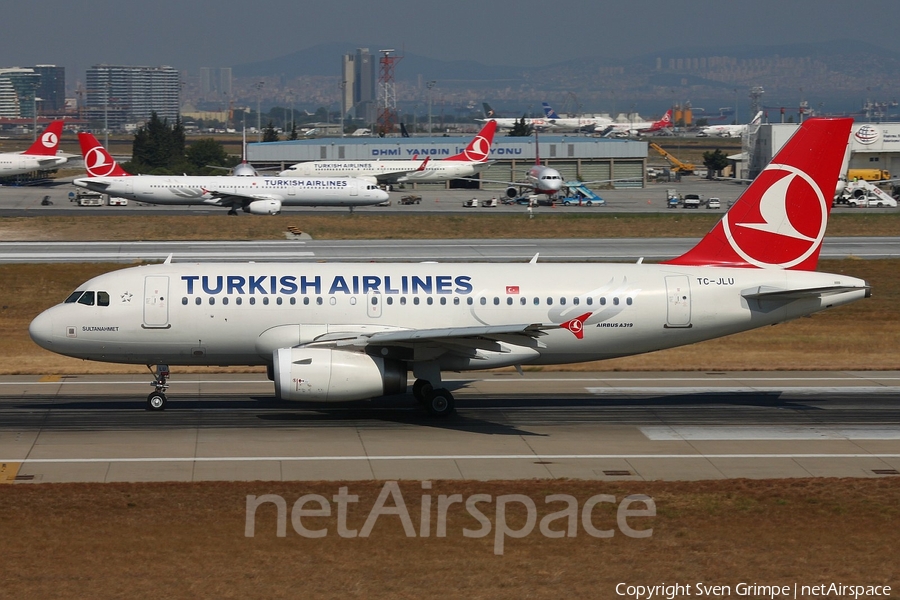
(387, 93)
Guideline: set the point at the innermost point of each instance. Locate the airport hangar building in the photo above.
(872, 146)
(575, 157)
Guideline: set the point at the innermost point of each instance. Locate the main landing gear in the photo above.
(157, 400)
(438, 402)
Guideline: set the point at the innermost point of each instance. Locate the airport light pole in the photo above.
(34, 103)
(343, 106)
(259, 87)
(430, 85)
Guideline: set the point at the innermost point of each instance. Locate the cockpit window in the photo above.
(74, 296)
(87, 298)
(102, 299)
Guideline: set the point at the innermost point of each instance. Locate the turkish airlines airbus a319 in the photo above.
(349, 331)
(255, 194)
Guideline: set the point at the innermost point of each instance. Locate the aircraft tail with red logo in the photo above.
(666, 121)
(48, 142)
(779, 221)
(479, 149)
(97, 161)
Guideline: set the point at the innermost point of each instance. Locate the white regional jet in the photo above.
(574, 123)
(472, 160)
(40, 156)
(731, 130)
(337, 332)
(635, 128)
(509, 123)
(255, 195)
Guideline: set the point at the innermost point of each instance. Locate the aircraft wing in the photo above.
(232, 199)
(485, 336)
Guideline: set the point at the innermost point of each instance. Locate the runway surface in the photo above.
(625, 249)
(606, 426)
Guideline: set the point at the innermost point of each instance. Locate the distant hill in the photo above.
(831, 75)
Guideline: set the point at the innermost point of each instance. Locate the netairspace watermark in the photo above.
(558, 524)
(755, 590)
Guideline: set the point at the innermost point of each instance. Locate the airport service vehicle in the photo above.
(471, 203)
(673, 198)
(468, 163)
(254, 195)
(87, 198)
(330, 332)
(115, 201)
(691, 201)
(714, 203)
(871, 201)
(411, 199)
(868, 174)
(40, 156)
(489, 203)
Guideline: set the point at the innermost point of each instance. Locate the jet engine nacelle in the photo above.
(322, 375)
(512, 192)
(263, 207)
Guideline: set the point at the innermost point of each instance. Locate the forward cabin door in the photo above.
(678, 299)
(156, 302)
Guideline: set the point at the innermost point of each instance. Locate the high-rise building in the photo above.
(52, 89)
(121, 95)
(358, 71)
(215, 83)
(17, 92)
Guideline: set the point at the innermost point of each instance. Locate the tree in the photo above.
(269, 134)
(293, 135)
(205, 153)
(714, 162)
(158, 147)
(521, 129)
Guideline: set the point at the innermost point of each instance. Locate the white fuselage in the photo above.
(545, 180)
(239, 314)
(388, 171)
(219, 190)
(505, 123)
(724, 130)
(12, 163)
(579, 124)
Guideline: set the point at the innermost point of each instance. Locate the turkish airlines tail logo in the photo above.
(479, 149)
(779, 221)
(97, 161)
(48, 142)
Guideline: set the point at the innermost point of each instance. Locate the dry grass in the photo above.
(187, 541)
(861, 336)
(551, 223)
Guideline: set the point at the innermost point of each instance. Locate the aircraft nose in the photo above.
(41, 330)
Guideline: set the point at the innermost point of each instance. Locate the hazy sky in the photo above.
(187, 34)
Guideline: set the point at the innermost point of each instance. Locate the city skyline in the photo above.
(187, 36)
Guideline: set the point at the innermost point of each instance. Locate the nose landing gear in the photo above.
(157, 399)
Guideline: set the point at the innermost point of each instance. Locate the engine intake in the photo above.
(263, 207)
(322, 375)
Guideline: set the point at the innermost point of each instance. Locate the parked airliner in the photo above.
(40, 156)
(635, 128)
(731, 130)
(335, 332)
(471, 161)
(255, 195)
(574, 123)
(509, 123)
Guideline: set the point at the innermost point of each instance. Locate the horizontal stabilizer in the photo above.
(765, 292)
